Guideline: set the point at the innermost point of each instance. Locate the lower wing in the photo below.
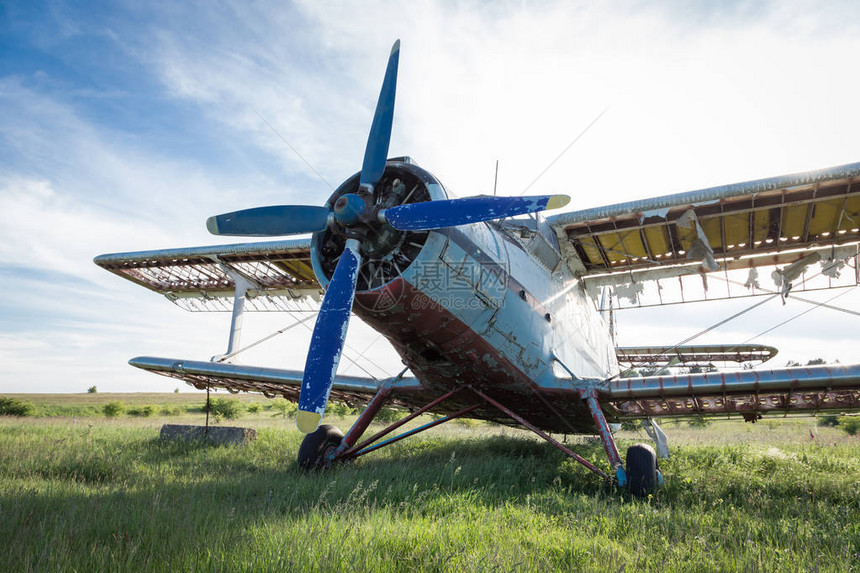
(750, 393)
(271, 382)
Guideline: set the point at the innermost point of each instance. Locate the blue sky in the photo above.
(126, 124)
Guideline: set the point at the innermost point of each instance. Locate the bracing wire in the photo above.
(357, 365)
(295, 151)
(569, 145)
(268, 337)
(364, 352)
(808, 310)
(303, 322)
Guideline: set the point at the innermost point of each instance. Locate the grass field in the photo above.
(96, 494)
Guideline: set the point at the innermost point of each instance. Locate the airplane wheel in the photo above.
(641, 469)
(316, 445)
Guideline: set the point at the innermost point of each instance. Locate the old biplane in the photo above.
(506, 318)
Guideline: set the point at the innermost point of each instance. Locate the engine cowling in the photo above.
(386, 252)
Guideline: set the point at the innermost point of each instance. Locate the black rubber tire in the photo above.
(641, 469)
(315, 446)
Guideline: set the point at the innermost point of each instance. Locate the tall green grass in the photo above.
(109, 496)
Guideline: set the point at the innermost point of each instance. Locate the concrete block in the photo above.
(226, 435)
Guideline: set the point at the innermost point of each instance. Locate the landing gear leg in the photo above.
(590, 397)
(641, 476)
(364, 420)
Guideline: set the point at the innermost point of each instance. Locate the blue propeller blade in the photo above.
(453, 212)
(328, 339)
(270, 221)
(376, 152)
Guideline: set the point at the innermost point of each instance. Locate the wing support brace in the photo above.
(656, 433)
(243, 285)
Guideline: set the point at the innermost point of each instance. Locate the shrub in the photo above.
(283, 407)
(338, 409)
(850, 424)
(113, 409)
(227, 408)
(831, 420)
(92, 390)
(172, 410)
(390, 415)
(142, 411)
(254, 408)
(13, 407)
(699, 422)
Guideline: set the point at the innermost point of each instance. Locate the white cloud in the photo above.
(698, 96)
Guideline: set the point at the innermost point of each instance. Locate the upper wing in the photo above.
(798, 220)
(204, 278)
(279, 276)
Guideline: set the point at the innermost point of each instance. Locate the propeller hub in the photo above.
(348, 209)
